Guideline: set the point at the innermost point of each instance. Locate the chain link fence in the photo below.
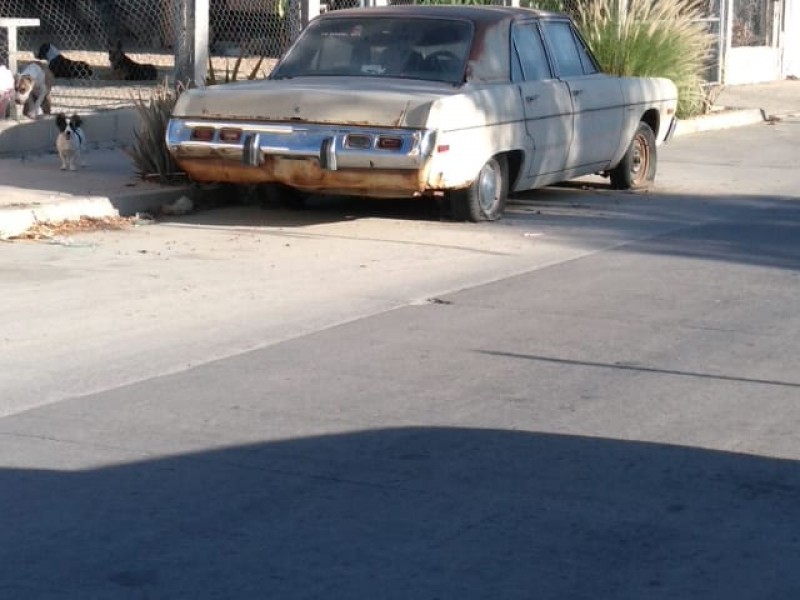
(754, 22)
(110, 39)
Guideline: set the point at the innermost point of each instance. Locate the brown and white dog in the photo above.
(32, 90)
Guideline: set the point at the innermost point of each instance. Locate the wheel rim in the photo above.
(489, 186)
(640, 160)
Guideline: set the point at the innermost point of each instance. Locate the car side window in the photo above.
(589, 64)
(567, 50)
(530, 52)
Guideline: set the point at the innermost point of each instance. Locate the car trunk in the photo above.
(342, 100)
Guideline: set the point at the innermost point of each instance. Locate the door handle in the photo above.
(532, 98)
(576, 92)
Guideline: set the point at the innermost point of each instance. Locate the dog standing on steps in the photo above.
(127, 69)
(70, 142)
(32, 90)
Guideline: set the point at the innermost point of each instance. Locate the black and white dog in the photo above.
(127, 69)
(61, 66)
(70, 142)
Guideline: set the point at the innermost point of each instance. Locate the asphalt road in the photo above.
(594, 398)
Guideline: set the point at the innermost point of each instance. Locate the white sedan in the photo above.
(465, 103)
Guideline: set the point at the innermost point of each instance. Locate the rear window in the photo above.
(431, 49)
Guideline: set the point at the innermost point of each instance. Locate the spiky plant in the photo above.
(663, 38)
(149, 151)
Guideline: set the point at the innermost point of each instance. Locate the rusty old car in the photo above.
(464, 103)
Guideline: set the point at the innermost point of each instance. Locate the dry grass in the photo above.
(47, 231)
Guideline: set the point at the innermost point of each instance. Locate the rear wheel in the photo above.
(637, 169)
(485, 198)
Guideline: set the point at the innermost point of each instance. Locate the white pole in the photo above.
(200, 41)
(727, 41)
(308, 10)
(191, 40)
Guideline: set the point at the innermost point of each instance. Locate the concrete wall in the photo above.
(35, 137)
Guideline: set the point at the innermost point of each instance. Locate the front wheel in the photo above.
(485, 198)
(637, 169)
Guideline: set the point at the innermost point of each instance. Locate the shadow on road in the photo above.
(408, 513)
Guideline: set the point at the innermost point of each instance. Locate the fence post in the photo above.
(308, 10)
(728, 40)
(191, 40)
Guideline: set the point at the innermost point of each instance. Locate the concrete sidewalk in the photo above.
(738, 105)
(778, 99)
(34, 189)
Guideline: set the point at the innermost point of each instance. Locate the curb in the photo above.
(17, 220)
(724, 119)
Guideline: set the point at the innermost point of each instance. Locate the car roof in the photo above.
(485, 13)
(489, 59)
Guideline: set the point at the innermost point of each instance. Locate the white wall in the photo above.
(752, 64)
(791, 39)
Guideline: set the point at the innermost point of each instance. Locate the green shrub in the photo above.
(663, 38)
(149, 151)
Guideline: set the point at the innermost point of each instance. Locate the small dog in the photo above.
(32, 90)
(127, 69)
(70, 142)
(61, 66)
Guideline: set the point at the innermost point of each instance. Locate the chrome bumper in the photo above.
(330, 144)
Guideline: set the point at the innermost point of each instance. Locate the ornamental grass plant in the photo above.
(652, 38)
(149, 151)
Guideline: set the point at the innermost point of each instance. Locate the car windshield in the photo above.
(431, 49)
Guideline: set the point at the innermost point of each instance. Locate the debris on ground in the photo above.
(143, 218)
(181, 206)
(47, 231)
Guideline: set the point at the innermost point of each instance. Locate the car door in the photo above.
(546, 103)
(597, 98)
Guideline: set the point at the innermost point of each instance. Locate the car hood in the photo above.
(341, 100)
